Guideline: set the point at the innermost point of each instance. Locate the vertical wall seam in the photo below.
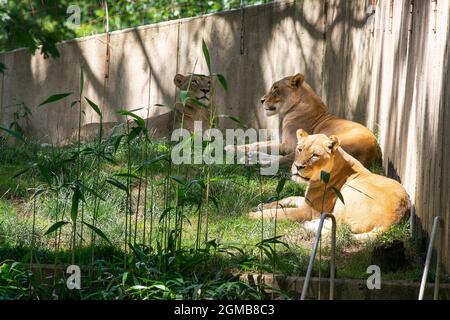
(1, 98)
(242, 43)
(178, 60)
(324, 48)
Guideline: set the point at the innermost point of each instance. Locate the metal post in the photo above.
(333, 256)
(436, 222)
(312, 258)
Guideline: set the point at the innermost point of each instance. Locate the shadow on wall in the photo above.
(279, 39)
(413, 111)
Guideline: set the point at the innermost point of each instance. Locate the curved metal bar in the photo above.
(312, 258)
(437, 221)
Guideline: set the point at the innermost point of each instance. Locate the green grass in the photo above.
(228, 223)
(13, 188)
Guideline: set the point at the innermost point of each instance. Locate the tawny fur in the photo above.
(161, 126)
(372, 202)
(299, 107)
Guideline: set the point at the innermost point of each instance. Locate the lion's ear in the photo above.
(332, 143)
(301, 134)
(297, 80)
(179, 80)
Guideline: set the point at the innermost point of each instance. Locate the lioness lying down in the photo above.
(160, 126)
(372, 202)
(299, 107)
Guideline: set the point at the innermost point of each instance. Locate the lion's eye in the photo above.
(315, 155)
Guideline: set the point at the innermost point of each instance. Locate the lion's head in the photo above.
(314, 153)
(282, 95)
(198, 86)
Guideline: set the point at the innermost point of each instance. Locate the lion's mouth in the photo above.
(204, 97)
(270, 108)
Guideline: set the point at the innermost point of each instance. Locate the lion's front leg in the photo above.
(296, 214)
(293, 202)
(301, 212)
(266, 160)
(263, 146)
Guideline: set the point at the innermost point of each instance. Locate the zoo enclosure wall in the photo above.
(387, 68)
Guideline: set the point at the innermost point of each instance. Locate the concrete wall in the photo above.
(144, 61)
(389, 71)
(409, 103)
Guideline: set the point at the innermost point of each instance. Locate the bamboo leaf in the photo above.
(324, 176)
(134, 133)
(127, 175)
(280, 185)
(2, 68)
(15, 134)
(234, 119)
(38, 192)
(117, 141)
(98, 232)
(21, 172)
(140, 122)
(55, 226)
(215, 202)
(152, 161)
(199, 103)
(94, 107)
(222, 81)
(206, 55)
(116, 183)
(338, 194)
(178, 179)
(75, 204)
(274, 240)
(94, 193)
(165, 213)
(55, 97)
(45, 173)
(184, 96)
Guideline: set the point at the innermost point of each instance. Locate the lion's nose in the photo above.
(263, 100)
(300, 167)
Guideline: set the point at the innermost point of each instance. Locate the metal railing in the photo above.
(437, 222)
(323, 216)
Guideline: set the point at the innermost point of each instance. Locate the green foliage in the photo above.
(14, 280)
(29, 24)
(35, 23)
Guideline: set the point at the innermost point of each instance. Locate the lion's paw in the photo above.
(230, 148)
(254, 215)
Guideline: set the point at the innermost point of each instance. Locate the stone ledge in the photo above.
(348, 289)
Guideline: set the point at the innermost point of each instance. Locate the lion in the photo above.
(195, 108)
(371, 203)
(299, 107)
